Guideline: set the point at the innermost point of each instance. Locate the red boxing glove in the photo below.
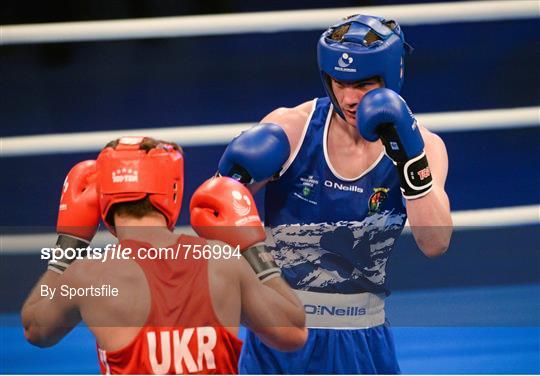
(224, 209)
(78, 212)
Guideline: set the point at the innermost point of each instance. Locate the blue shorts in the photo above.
(327, 351)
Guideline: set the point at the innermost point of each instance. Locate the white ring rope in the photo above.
(262, 22)
(200, 135)
(463, 220)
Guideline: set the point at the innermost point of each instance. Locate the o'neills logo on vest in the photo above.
(188, 353)
(342, 187)
(125, 175)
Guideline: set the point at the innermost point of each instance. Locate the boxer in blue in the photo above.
(342, 175)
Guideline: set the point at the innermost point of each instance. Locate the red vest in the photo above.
(182, 333)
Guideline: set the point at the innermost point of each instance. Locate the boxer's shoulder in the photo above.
(290, 115)
(434, 146)
(292, 120)
(430, 138)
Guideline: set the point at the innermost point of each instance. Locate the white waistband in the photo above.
(342, 311)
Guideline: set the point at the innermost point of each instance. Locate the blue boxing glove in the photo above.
(256, 154)
(383, 114)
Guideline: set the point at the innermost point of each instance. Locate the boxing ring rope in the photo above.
(221, 134)
(467, 219)
(262, 22)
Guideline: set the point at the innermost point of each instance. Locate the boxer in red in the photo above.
(155, 311)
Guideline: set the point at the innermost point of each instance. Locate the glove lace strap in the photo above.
(67, 242)
(415, 177)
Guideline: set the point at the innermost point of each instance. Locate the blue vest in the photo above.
(331, 234)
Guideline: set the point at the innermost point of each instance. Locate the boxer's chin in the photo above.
(350, 118)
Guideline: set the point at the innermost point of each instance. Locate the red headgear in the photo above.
(126, 173)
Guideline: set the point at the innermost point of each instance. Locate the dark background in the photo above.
(92, 86)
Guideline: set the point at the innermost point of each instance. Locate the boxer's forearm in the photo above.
(291, 305)
(278, 317)
(32, 312)
(431, 222)
(49, 278)
(47, 318)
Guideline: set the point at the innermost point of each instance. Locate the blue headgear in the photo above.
(351, 58)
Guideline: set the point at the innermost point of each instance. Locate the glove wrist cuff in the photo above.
(415, 177)
(262, 262)
(64, 242)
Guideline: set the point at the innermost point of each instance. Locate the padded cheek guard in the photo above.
(128, 174)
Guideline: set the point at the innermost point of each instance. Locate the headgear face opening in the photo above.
(127, 173)
(352, 58)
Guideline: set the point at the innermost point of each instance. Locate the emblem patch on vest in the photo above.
(376, 199)
(307, 191)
